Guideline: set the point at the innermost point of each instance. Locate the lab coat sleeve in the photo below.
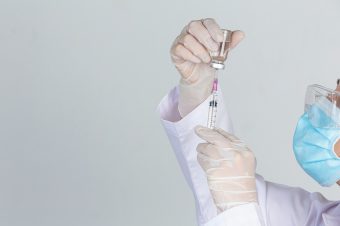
(243, 215)
(184, 141)
(295, 206)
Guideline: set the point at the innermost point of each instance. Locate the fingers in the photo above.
(189, 42)
(338, 90)
(212, 136)
(198, 38)
(210, 156)
(236, 38)
(334, 97)
(236, 142)
(221, 138)
(180, 54)
(204, 160)
(213, 29)
(228, 135)
(337, 85)
(200, 32)
(224, 141)
(213, 152)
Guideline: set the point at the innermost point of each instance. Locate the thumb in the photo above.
(212, 136)
(229, 136)
(236, 37)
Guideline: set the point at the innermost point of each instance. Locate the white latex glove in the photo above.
(190, 55)
(230, 168)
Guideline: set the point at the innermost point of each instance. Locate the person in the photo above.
(218, 167)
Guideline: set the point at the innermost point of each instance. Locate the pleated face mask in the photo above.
(316, 133)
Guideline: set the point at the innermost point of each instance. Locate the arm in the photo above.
(187, 106)
(184, 142)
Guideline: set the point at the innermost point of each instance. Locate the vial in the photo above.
(218, 57)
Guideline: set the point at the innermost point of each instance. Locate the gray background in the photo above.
(80, 140)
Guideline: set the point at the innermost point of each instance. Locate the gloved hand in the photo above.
(230, 168)
(190, 55)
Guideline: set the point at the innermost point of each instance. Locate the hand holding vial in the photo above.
(192, 49)
(192, 53)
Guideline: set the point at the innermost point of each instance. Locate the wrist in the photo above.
(227, 202)
(195, 89)
(232, 193)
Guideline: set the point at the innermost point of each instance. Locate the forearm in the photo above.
(194, 91)
(184, 141)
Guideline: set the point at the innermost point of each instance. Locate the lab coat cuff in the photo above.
(170, 116)
(242, 215)
(168, 110)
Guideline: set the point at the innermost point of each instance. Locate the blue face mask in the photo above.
(313, 148)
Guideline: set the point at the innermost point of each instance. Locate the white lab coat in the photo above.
(279, 205)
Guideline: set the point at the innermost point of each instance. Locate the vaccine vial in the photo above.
(218, 57)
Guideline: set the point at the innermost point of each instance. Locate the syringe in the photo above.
(213, 104)
(217, 63)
